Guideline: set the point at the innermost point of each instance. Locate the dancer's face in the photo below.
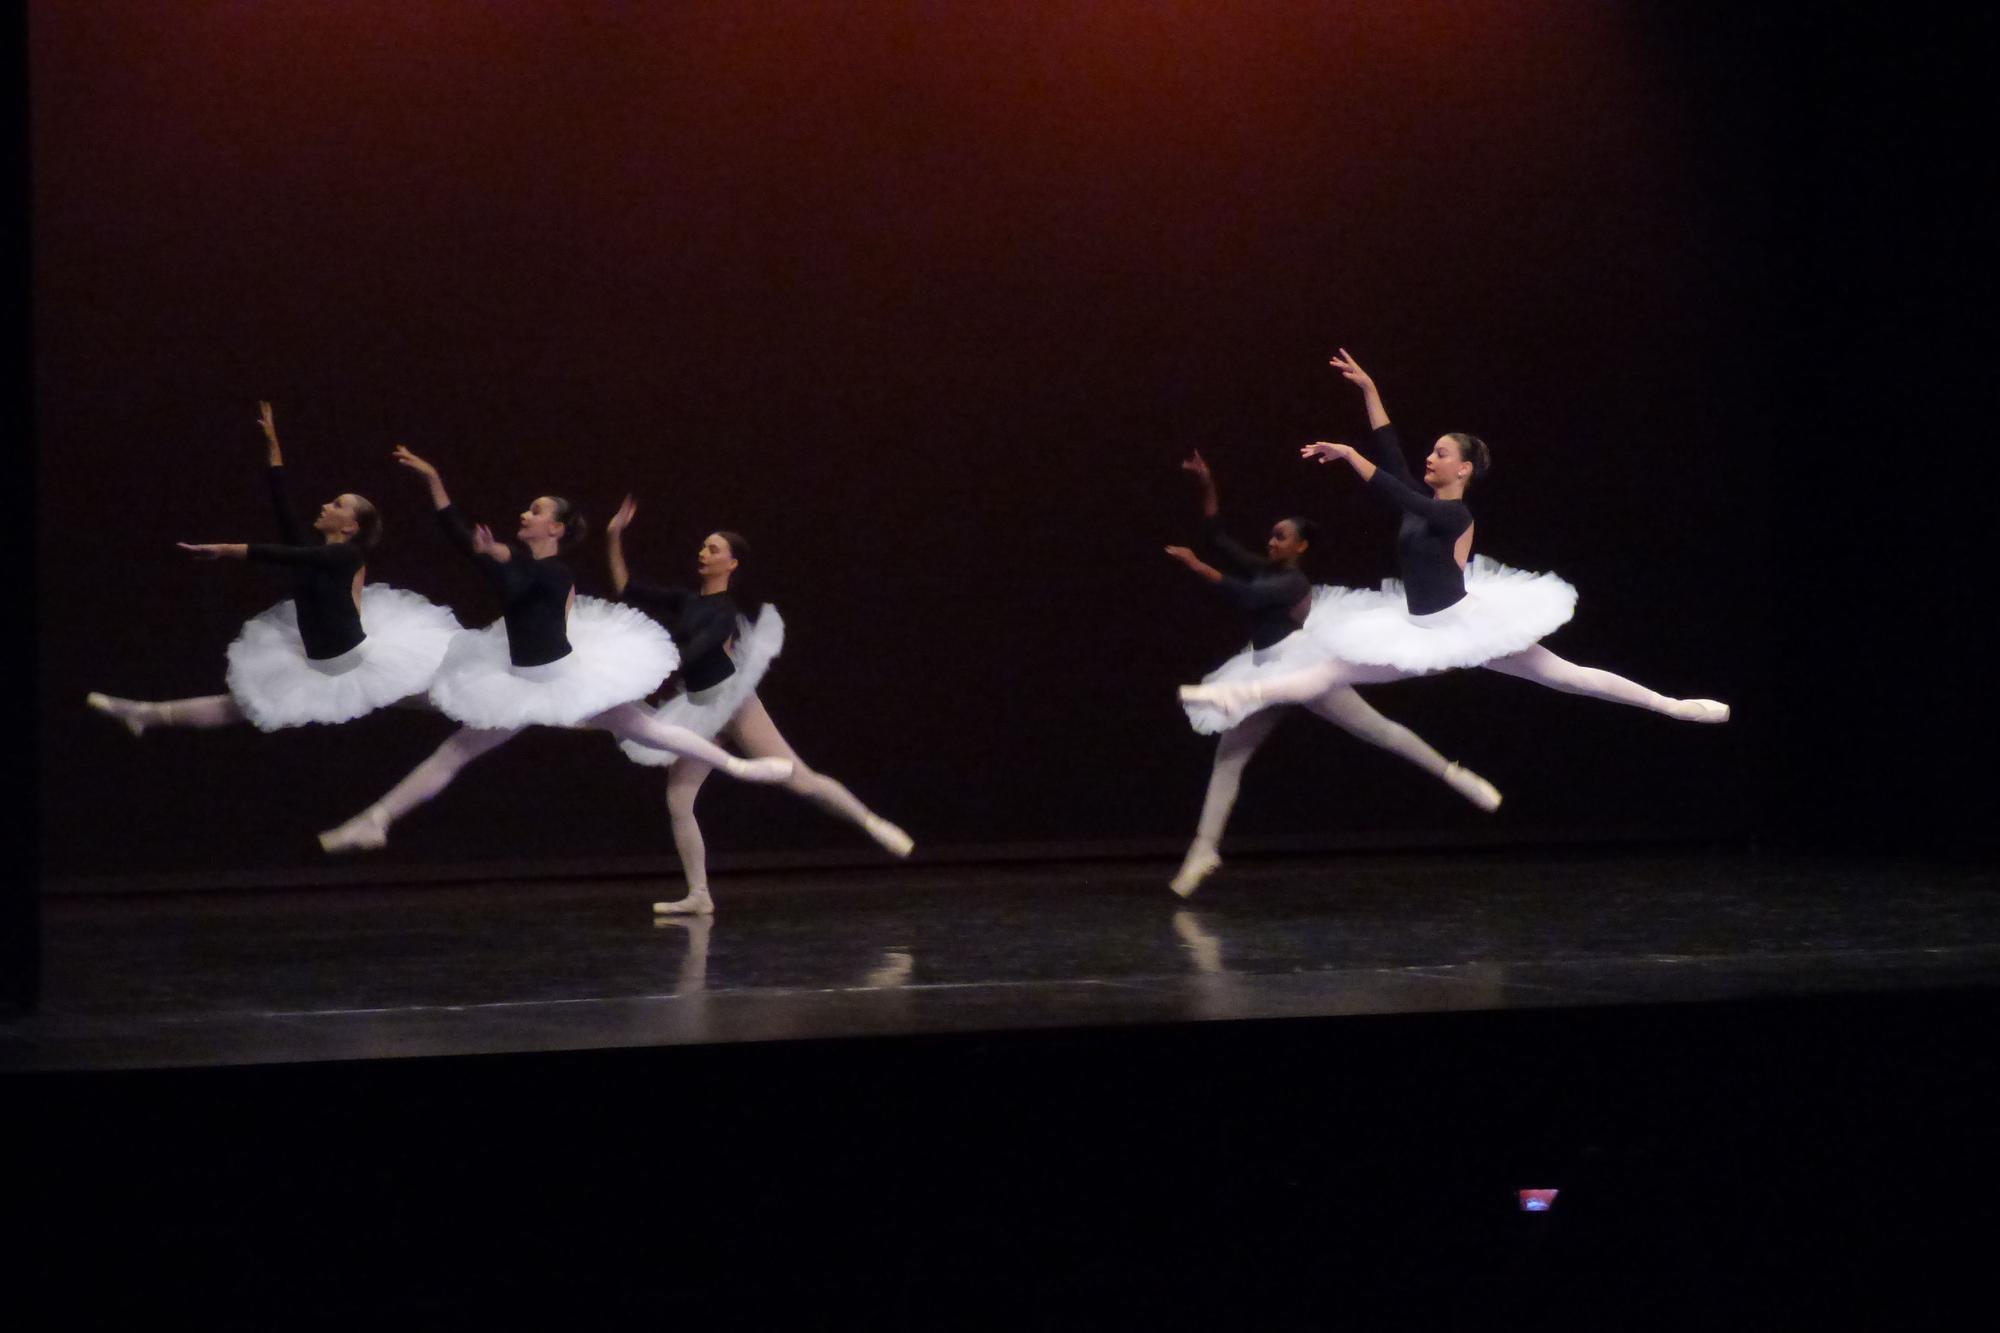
(1445, 464)
(715, 559)
(1284, 545)
(337, 517)
(540, 522)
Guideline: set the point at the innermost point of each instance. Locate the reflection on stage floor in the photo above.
(283, 975)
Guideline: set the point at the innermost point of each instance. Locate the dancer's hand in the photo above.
(622, 519)
(439, 500)
(1198, 465)
(215, 550)
(1344, 362)
(267, 421)
(483, 543)
(401, 453)
(1350, 369)
(1195, 564)
(1326, 451)
(269, 424)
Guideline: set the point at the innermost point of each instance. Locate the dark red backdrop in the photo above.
(929, 303)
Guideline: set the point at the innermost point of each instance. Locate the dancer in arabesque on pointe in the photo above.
(339, 647)
(1286, 613)
(553, 659)
(1451, 609)
(724, 656)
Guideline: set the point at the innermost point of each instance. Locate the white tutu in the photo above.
(706, 712)
(1301, 648)
(1504, 610)
(617, 655)
(277, 685)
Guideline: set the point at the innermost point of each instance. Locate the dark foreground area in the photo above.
(1024, 1098)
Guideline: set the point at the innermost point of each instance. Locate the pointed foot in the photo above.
(1201, 862)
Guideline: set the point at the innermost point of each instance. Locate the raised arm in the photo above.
(614, 543)
(289, 531)
(269, 423)
(476, 541)
(1241, 559)
(1198, 465)
(662, 603)
(439, 500)
(1350, 369)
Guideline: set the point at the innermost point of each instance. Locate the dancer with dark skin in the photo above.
(1275, 596)
(1455, 613)
(525, 670)
(335, 650)
(718, 697)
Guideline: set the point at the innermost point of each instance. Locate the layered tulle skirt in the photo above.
(1504, 610)
(277, 685)
(707, 712)
(617, 655)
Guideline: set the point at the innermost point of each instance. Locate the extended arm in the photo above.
(614, 544)
(1206, 572)
(1325, 451)
(1449, 517)
(1371, 397)
(662, 603)
(269, 424)
(1241, 559)
(439, 500)
(216, 550)
(328, 555)
(1383, 448)
(476, 541)
(289, 531)
(1198, 465)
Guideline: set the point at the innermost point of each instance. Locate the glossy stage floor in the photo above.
(1026, 1096)
(190, 979)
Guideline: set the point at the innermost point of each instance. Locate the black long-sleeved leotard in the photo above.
(1267, 594)
(534, 595)
(322, 580)
(1427, 538)
(701, 624)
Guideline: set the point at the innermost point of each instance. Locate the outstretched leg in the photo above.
(370, 828)
(684, 781)
(1545, 668)
(1239, 699)
(1355, 716)
(752, 728)
(631, 722)
(213, 710)
(1225, 777)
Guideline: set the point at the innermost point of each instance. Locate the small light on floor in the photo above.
(1537, 1201)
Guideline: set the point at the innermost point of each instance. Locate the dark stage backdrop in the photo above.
(929, 302)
